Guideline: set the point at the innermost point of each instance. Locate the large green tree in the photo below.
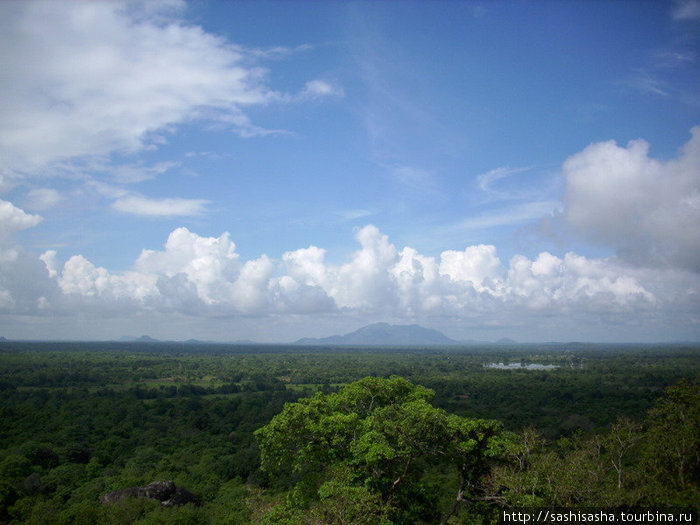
(379, 449)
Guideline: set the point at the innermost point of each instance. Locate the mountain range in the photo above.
(377, 334)
(384, 334)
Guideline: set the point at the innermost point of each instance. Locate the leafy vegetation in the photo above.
(268, 434)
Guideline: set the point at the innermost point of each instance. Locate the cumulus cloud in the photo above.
(363, 283)
(23, 278)
(648, 209)
(204, 278)
(25, 284)
(13, 220)
(205, 274)
(307, 265)
(575, 281)
(81, 277)
(210, 264)
(417, 279)
(477, 265)
(49, 260)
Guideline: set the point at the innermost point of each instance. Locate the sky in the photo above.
(275, 170)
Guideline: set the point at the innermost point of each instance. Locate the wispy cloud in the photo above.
(321, 88)
(670, 71)
(487, 180)
(351, 215)
(172, 207)
(275, 52)
(507, 216)
(650, 83)
(127, 173)
(671, 59)
(415, 180)
(405, 135)
(43, 198)
(686, 10)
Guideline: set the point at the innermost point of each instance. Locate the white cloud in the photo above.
(417, 282)
(574, 281)
(645, 208)
(350, 215)
(49, 259)
(93, 78)
(648, 83)
(321, 88)
(13, 220)
(174, 207)
(487, 180)
(82, 278)
(477, 265)
(307, 265)
(250, 291)
(137, 173)
(23, 277)
(364, 283)
(514, 214)
(377, 278)
(92, 66)
(210, 264)
(204, 278)
(290, 296)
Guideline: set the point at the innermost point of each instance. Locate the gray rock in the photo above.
(166, 492)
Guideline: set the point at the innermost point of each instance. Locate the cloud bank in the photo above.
(204, 277)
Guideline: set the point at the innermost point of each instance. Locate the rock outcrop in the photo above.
(166, 492)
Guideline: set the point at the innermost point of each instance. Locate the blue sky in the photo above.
(275, 170)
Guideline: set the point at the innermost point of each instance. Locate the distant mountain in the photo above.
(208, 342)
(506, 341)
(384, 334)
(142, 339)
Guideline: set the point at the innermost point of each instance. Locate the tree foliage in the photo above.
(652, 464)
(82, 419)
(386, 439)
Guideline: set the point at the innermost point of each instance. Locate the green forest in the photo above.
(340, 435)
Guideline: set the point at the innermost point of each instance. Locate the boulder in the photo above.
(166, 492)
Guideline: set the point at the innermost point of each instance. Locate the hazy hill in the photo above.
(142, 339)
(506, 341)
(384, 334)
